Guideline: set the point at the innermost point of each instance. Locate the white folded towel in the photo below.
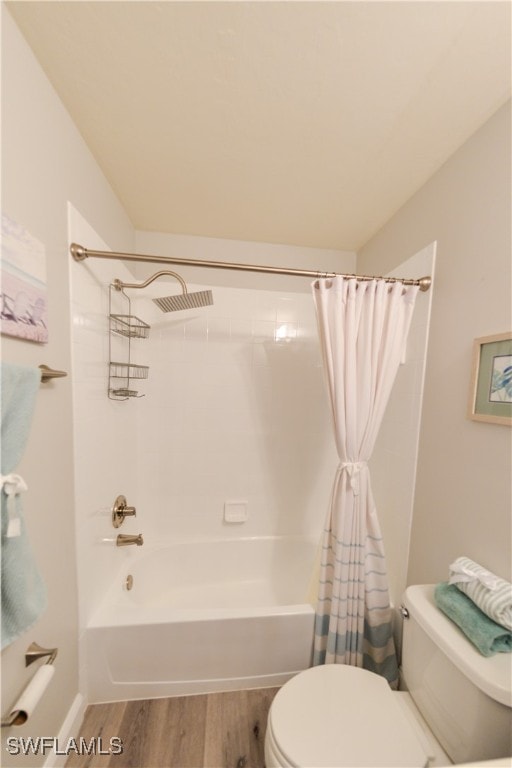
(489, 592)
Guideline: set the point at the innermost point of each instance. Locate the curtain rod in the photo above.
(79, 253)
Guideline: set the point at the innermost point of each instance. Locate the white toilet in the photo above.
(454, 706)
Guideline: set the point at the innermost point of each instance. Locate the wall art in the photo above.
(23, 310)
(491, 383)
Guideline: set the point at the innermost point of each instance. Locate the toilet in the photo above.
(453, 706)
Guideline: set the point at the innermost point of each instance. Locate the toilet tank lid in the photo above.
(492, 674)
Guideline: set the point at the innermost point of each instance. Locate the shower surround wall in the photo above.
(234, 410)
(104, 434)
(235, 413)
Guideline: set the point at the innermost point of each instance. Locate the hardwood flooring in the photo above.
(215, 730)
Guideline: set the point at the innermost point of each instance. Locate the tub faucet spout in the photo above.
(123, 539)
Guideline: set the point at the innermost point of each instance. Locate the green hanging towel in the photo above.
(23, 591)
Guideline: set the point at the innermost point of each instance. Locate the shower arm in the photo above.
(79, 253)
(119, 285)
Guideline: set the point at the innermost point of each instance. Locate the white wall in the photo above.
(463, 491)
(45, 163)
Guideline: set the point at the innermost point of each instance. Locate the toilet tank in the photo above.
(464, 697)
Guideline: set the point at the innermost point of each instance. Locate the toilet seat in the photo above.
(337, 715)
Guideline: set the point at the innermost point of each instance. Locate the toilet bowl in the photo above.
(336, 712)
(457, 708)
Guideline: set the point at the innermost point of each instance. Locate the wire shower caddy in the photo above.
(122, 374)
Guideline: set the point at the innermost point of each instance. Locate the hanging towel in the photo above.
(489, 592)
(23, 591)
(487, 636)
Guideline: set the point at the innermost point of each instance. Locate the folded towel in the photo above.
(487, 636)
(23, 591)
(489, 592)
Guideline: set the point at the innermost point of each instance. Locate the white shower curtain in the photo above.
(363, 328)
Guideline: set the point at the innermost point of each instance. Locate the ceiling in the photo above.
(306, 123)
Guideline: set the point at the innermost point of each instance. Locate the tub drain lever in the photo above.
(120, 510)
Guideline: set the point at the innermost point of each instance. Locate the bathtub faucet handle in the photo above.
(124, 539)
(120, 510)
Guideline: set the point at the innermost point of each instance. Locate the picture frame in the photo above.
(491, 381)
(23, 295)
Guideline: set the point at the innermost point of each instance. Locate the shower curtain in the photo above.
(363, 328)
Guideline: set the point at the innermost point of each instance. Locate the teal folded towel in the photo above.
(490, 593)
(23, 590)
(485, 634)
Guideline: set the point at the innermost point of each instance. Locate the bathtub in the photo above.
(202, 616)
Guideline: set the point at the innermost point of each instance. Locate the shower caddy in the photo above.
(121, 374)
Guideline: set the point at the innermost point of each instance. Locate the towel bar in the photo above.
(49, 373)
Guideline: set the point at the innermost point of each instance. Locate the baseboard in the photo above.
(69, 728)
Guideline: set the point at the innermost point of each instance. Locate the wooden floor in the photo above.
(215, 730)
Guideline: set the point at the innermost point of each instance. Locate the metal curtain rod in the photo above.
(79, 253)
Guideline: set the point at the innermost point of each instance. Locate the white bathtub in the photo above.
(203, 616)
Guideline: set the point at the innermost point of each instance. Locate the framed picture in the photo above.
(491, 383)
(23, 300)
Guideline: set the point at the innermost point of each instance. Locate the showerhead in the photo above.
(184, 301)
(175, 303)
